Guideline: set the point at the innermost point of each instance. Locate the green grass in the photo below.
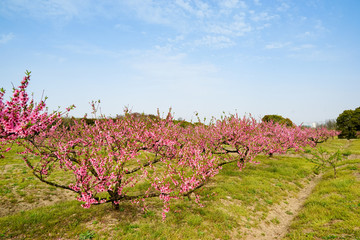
(352, 145)
(46, 222)
(234, 202)
(355, 146)
(333, 209)
(19, 185)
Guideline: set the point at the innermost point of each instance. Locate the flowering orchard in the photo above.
(21, 117)
(132, 158)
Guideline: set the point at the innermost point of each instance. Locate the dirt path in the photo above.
(276, 225)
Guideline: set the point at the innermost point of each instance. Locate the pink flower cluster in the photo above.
(20, 117)
(132, 158)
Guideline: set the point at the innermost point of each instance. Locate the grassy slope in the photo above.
(234, 201)
(333, 209)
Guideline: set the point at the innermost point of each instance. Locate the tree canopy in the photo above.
(278, 119)
(348, 122)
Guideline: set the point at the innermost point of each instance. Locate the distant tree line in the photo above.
(68, 121)
(348, 122)
(329, 124)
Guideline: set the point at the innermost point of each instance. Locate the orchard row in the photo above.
(132, 158)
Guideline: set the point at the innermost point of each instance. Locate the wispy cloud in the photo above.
(237, 26)
(262, 16)
(88, 49)
(290, 46)
(257, 2)
(320, 27)
(198, 9)
(303, 47)
(151, 11)
(277, 45)
(217, 42)
(283, 7)
(5, 38)
(216, 25)
(305, 35)
(57, 10)
(184, 5)
(233, 4)
(315, 30)
(315, 55)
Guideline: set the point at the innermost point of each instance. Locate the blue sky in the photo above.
(298, 59)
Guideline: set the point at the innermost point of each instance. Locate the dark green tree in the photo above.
(348, 122)
(278, 119)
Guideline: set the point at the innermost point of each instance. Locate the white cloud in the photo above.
(218, 24)
(236, 27)
(277, 45)
(149, 11)
(229, 3)
(314, 55)
(305, 35)
(215, 42)
(221, 23)
(212, 25)
(185, 5)
(315, 30)
(262, 17)
(59, 8)
(5, 38)
(283, 7)
(303, 47)
(242, 4)
(257, 2)
(89, 49)
(266, 25)
(203, 9)
(320, 27)
(51, 8)
(198, 8)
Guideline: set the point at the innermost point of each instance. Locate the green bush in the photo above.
(348, 122)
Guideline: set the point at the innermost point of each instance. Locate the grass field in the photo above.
(236, 205)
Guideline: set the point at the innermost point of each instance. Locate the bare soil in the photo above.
(7, 207)
(276, 224)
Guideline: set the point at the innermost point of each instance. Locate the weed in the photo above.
(322, 158)
(275, 221)
(87, 235)
(149, 213)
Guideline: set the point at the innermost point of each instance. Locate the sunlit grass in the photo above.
(333, 209)
(352, 145)
(355, 146)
